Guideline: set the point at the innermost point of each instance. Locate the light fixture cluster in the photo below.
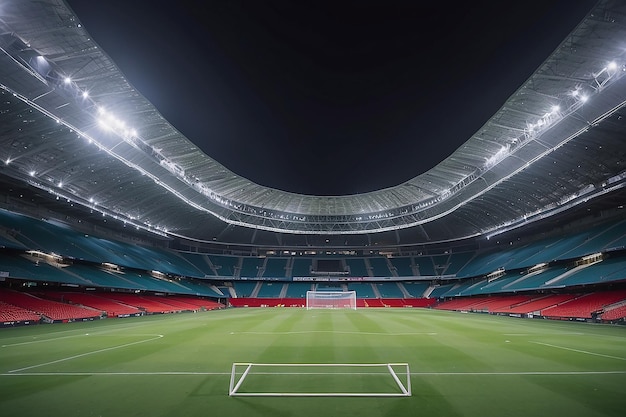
(576, 98)
(109, 122)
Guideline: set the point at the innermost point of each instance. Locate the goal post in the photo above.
(320, 380)
(331, 299)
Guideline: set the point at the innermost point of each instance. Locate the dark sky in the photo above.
(328, 97)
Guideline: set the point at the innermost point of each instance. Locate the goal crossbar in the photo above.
(330, 299)
(241, 371)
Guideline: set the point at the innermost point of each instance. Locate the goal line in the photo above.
(320, 379)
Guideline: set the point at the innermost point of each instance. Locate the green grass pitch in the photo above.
(179, 365)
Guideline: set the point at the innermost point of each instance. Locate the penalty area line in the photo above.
(517, 373)
(85, 354)
(113, 373)
(192, 373)
(579, 351)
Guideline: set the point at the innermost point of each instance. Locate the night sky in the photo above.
(328, 97)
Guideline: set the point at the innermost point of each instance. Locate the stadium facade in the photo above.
(79, 142)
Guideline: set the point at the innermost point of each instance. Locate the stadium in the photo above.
(140, 276)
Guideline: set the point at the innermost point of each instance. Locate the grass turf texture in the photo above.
(179, 365)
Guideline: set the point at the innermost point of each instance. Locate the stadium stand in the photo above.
(110, 307)
(275, 267)
(11, 314)
(403, 265)
(51, 311)
(585, 305)
(425, 243)
(268, 280)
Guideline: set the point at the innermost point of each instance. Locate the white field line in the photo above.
(100, 331)
(336, 332)
(579, 351)
(113, 373)
(518, 373)
(86, 354)
(32, 342)
(544, 333)
(70, 337)
(539, 373)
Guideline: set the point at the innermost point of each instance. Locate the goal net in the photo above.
(331, 299)
(321, 380)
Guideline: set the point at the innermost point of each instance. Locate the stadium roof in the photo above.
(74, 129)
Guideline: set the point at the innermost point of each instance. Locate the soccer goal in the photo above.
(321, 380)
(331, 299)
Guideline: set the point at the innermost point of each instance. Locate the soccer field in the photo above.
(180, 365)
